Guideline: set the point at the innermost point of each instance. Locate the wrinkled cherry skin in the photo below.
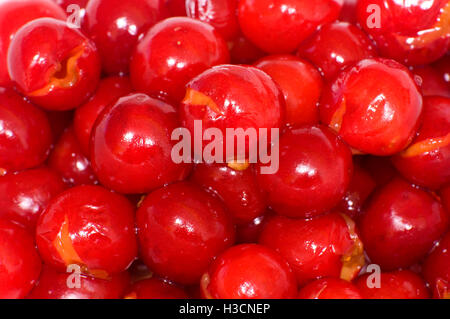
(426, 161)
(109, 90)
(115, 26)
(155, 288)
(53, 285)
(301, 85)
(13, 15)
(279, 26)
(239, 190)
(173, 52)
(68, 160)
(131, 145)
(181, 229)
(432, 81)
(25, 134)
(249, 271)
(313, 248)
(25, 195)
(400, 223)
(375, 106)
(329, 288)
(68, 70)
(89, 226)
(335, 46)
(20, 264)
(411, 32)
(403, 284)
(242, 51)
(306, 184)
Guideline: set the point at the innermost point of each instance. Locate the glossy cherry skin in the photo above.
(279, 26)
(13, 15)
(239, 190)
(403, 284)
(329, 288)
(109, 90)
(432, 82)
(20, 264)
(400, 223)
(69, 162)
(426, 161)
(335, 46)
(25, 195)
(348, 12)
(116, 26)
(411, 32)
(325, 246)
(173, 52)
(242, 51)
(68, 70)
(155, 288)
(88, 226)
(131, 145)
(301, 85)
(25, 134)
(53, 285)
(375, 106)
(306, 184)
(177, 8)
(249, 233)
(181, 229)
(266, 275)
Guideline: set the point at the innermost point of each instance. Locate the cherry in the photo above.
(131, 145)
(155, 288)
(25, 134)
(348, 12)
(306, 184)
(325, 246)
(410, 32)
(109, 90)
(249, 233)
(20, 264)
(279, 26)
(301, 85)
(443, 67)
(242, 51)
(172, 53)
(380, 169)
(265, 276)
(335, 46)
(177, 8)
(432, 82)
(59, 122)
(375, 106)
(402, 284)
(329, 288)
(427, 160)
(400, 223)
(24, 196)
(68, 70)
(75, 14)
(181, 230)
(445, 196)
(90, 227)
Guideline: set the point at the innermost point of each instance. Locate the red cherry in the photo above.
(177, 8)
(181, 230)
(380, 169)
(443, 67)
(445, 196)
(59, 122)
(432, 82)
(155, 288)
(249, 233)
(329, 288)
(242, 51)
(348, 12)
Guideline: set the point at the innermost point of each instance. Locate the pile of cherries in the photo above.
(92, 204)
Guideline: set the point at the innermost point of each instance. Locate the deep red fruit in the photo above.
(54, 285)
(25, 195)
(131, 145)
(68, 70)
(427, 160)
(172, 53)
(375, 106)
(306, 184)
(432, 82)
(411, 32)
(443, 67)
(59, 122)
(20, 264)
(69, 162)
(25, 134)
(242, 51)
(400, 224)
(329, 288)
(301, 85)
(402, 284)
(445, 196)
(249, 233)
(279, 26)
(181, 230)
(336, 46)
(265, 275)
(177, 8)
(88, 226)
(155, 288)
(109, 90)
(13, 15)
(348, 12)
(325, 246)
(380, 169)
(116, 26)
